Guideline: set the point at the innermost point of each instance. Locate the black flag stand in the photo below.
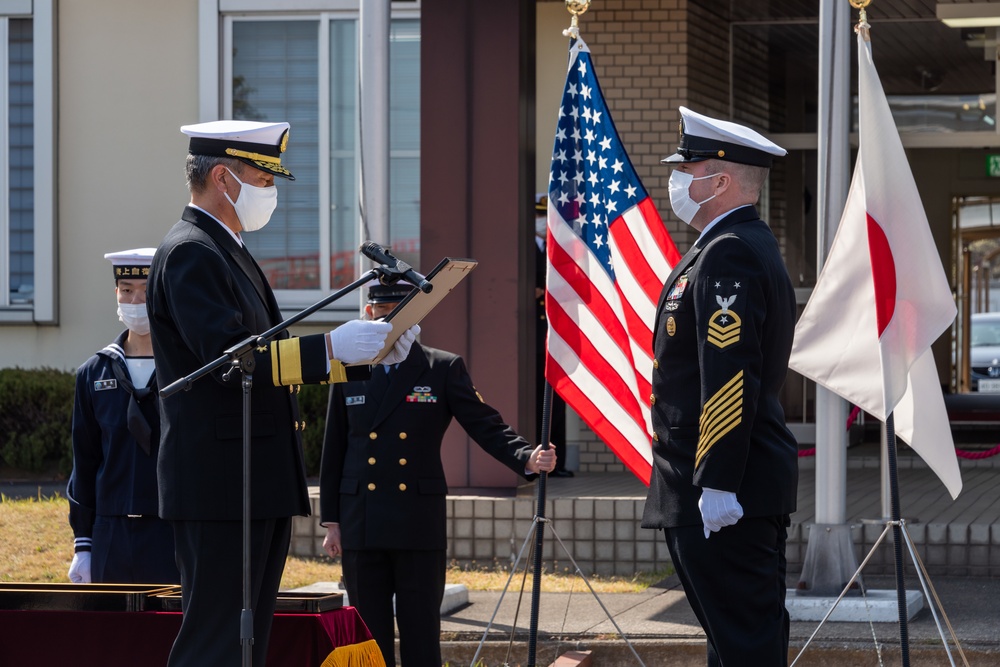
(539, 524)
(897, 538)
(899, 533)
(240, 357)
(536, 532)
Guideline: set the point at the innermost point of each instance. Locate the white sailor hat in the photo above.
(259, 145)
(131, 263)
(704, 138)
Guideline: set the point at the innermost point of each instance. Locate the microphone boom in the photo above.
(393, 265)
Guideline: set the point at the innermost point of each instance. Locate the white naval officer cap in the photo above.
(131, 263)
(259, 145)
(704, 138)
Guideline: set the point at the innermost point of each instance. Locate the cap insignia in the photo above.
(256, 157)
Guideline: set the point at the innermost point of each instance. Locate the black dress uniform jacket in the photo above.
(382, 477)
(205, 294)
(722, 338)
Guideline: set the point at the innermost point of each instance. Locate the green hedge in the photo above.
(36, 413)
(36, 410)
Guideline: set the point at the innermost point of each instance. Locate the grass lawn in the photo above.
(37, 546)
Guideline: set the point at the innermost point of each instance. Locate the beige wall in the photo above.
(127, 79)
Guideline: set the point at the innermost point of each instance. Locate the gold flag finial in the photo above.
(862, 26)
(576, 8)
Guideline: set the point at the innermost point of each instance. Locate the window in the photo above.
(27, 164)
(304, 69)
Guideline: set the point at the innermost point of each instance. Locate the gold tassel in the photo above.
(365, 654)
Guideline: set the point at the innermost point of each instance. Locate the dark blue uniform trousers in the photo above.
(417, 579)
(210, 558)
(133, 550)
(735, 583)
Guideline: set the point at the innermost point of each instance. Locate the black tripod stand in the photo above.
(535, 537)
(898, 527)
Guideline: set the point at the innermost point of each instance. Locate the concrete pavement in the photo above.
(664, 631)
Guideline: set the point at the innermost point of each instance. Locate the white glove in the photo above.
(402, 347)
(79, 569)
(718, 509)
(358, 340)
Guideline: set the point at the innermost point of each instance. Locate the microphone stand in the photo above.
(240, 357)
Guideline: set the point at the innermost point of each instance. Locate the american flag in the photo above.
(608, 257)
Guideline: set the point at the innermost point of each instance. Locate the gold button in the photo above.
(303, 424)
(402, 487)
(656, 437)
(652, 399)
(296, 425)
(402, 462)
(402, 436)
(373, 435)
(371, 461)
(656, 363)
(371, 486)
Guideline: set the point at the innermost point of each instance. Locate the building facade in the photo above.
(92, 156)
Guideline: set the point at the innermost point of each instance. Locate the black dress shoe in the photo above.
(561, 473)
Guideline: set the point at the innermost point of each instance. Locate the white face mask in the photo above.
(255, 205)
(134, 316)
(684, 207)
(541, 226)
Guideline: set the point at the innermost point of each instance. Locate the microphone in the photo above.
(377, 253)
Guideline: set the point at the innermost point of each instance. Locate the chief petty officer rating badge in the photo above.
(724, 327)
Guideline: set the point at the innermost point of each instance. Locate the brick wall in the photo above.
(651, 58)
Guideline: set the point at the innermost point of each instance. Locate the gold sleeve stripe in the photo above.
(709, 438)
(734, 385)
(338, 372)
(716, 412)
(721, 414)
(286, 362)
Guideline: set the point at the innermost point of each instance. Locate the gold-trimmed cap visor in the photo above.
(259, 145)
(705, 138)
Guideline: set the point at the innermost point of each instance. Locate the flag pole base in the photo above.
(829, 563)
(936, 608)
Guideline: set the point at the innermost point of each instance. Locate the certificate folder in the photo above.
(445, 277)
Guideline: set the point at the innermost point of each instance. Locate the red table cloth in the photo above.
(128, 639)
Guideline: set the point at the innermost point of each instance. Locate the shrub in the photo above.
(36, 412)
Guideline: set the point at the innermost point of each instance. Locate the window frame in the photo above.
(44, 308)
(215, 22)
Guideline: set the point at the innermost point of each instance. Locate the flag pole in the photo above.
(897, 538)
(575, 8)
(895, 519)
(536, 561)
